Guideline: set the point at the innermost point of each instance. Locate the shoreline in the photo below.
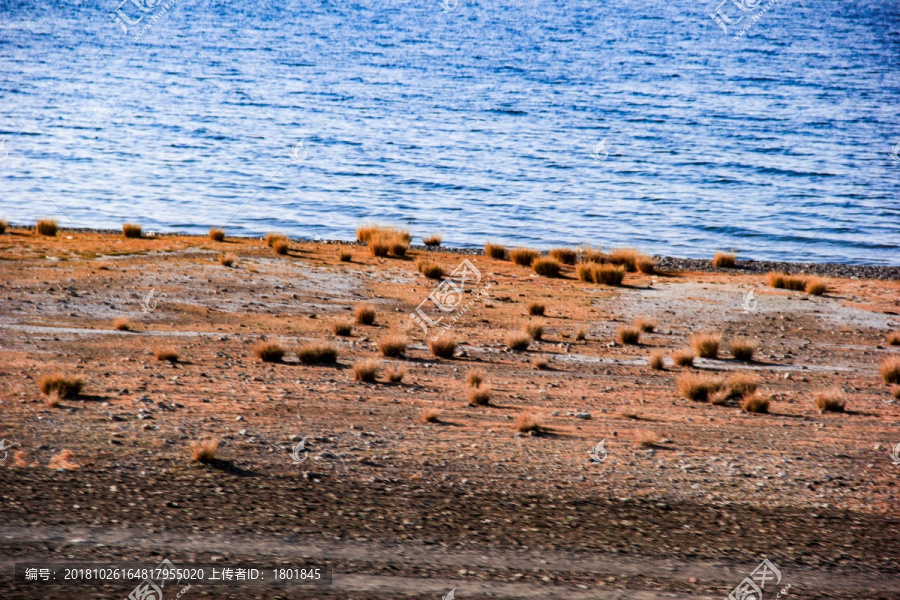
(673, 263)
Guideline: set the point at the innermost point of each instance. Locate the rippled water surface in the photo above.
(540, 123)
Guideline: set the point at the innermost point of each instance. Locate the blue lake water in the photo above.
(534, 123)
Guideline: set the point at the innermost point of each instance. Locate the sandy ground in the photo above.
(404, 508)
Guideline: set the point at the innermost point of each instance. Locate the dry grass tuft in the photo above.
(536, 309)
(527, 421)
(719, 397)
(316, 353)
(479, 395)
(344, 255)
(365, 232)
(645, 325)
(432, 241)
(281, 246)
(684, 357)
(495, 251)
(384, 240)
(724, 260)
(365, 314)
(392, 346)
(342, 328)
(204, 451)
(63, 460)
(632, 259)
(546, 267)
(366, 371)
(628, 335)
(271, 238)
(269, 352)
(431, 415)
(755, 403)
(216, 234)
(541, 364)
(646, 438)
(52, 400)
(4, 225)
(122, 324)
(429, 269)
(605, 274)
(580, 335)
(743, 349)
(706, 345)
(131, 230)
(534, 331)
(46, 227)
(64, 387)
(786, 282)
(566, 256)
(226, 259)
(645, 264)
(475, 377)
(523, 256)
(589, 255)
(395, 375)
(698, 386)
(443, 347)
(379, 247)
(890, 369)
(517, 340)
(656, 360)
(893, 338)
(895, 392)
(831, 400)
(168, 354)
(815, 286)
(742, 384)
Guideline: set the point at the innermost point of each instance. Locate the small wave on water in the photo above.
(521, 122)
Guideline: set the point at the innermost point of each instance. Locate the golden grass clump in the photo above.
(316, 353)
(743, 349)
(342, 328)
(815, 286)
(895, 392)
(475, 377)
(893, 338)
(517, 341)
(628, 335)
(4, 224)
(534, 331)
(168, 354)
(395, 375)
(890, 369)
(684, 357)
(46, 227)
(786, 282)
(566, 256)
(392, 346)
(226, 259)
(755, 403)
(706, 345)
(644, 324)
(523, 256)
(541, 364)
(607, 274)
(344, 255)
(365, 314)
(831, 400)
(269, 352)
(536, 309)
(646, 438)
(398, 246)
(59, 384)
(204, 451)
(580, 335)
(384, 240)
(656, 360)
(131, 230)
(443, 347)
(741, 384)
(431, 415)
(632, 259)
(527, 421)
(216, 234)
(366, 371)
(63, 460)
(645, 264)
(698, 386)
(724, 260)
(379, 247)
(122, 324)
(272, 238)
(281, 246)
(365, 232)
(546, 267)
(495, 251)
(429, 269)
(479, 395)
(589, 255)
(432, 241)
